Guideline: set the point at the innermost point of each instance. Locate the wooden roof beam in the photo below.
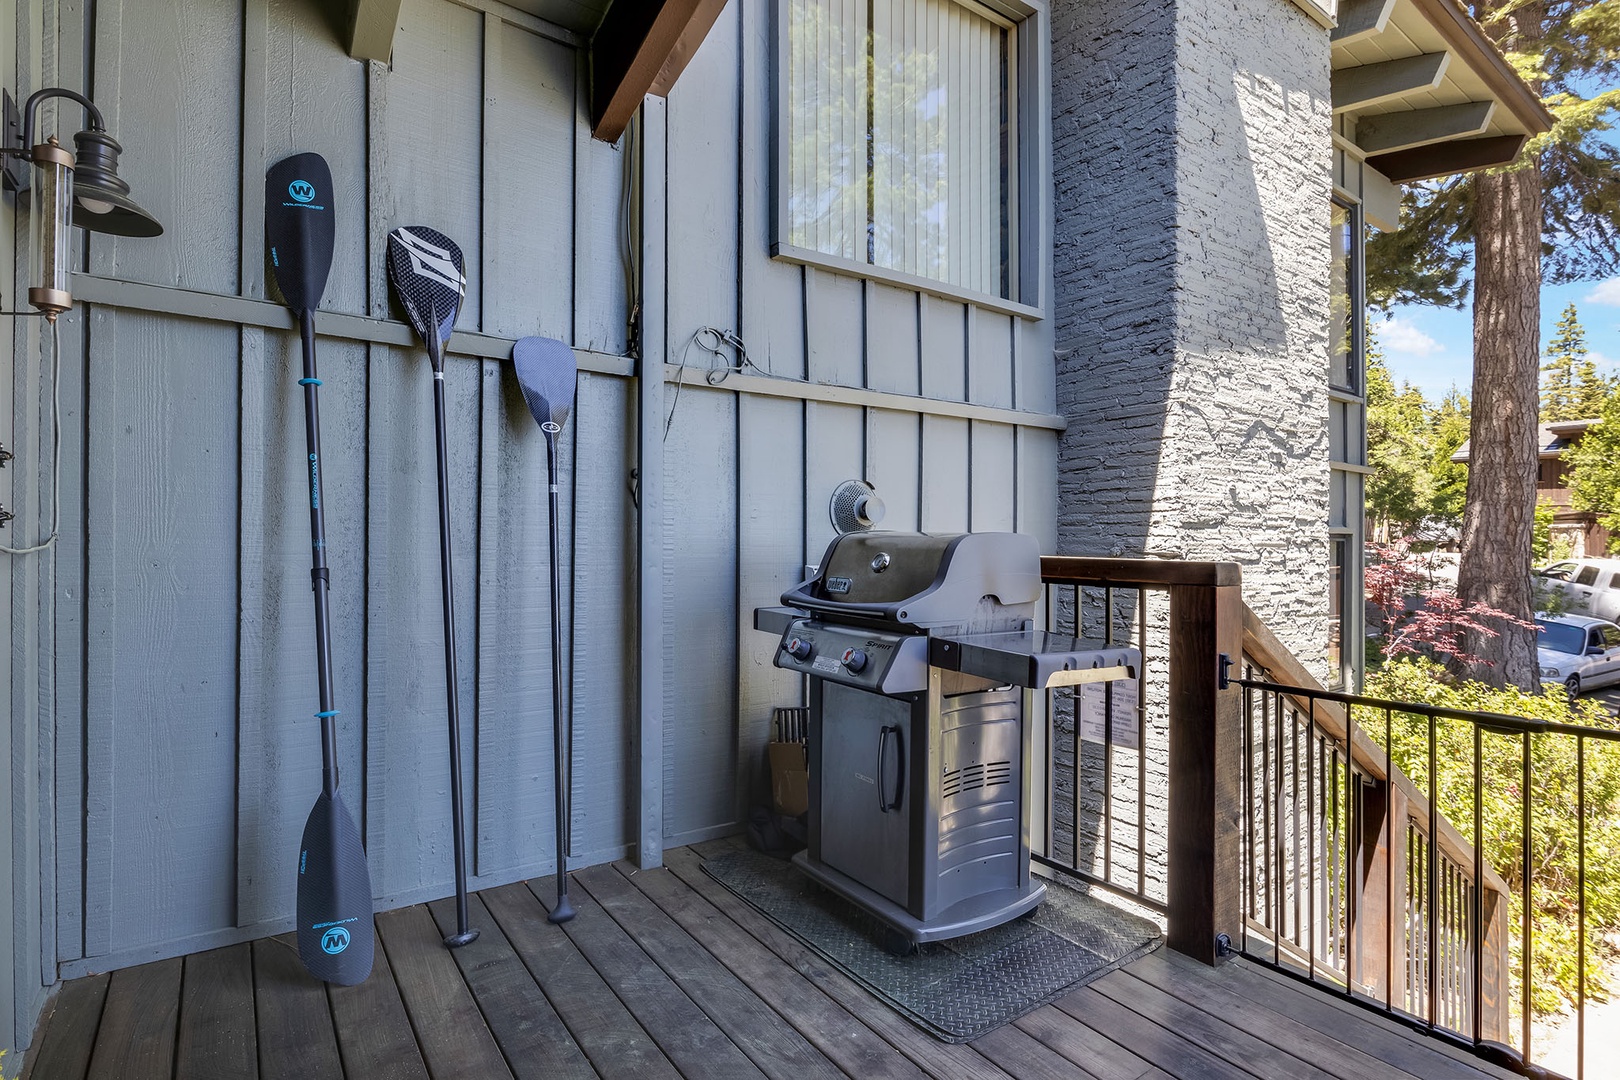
(641, 48)
(371, 28)
(1358, 87)
(1388, 132)
(1444, 159)
(1361, 19)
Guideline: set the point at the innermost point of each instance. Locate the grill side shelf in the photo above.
(1034, 658)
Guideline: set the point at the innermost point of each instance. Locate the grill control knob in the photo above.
(854, 660)
(798, 648)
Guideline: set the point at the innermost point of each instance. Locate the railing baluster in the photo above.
(1351, 861)
(1141, 745)
(1433, 868)
(1527, 942)
(1479, 890)
(1390, 825)
(1310, 839)
(1580, 907)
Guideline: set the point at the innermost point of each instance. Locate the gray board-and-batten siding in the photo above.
(175, 649)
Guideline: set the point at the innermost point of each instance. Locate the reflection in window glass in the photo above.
(1344, 363)
(1337, 610)
(901, 138)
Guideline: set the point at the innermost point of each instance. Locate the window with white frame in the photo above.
(898, 143)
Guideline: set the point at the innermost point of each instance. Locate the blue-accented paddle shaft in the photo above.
(336, 937)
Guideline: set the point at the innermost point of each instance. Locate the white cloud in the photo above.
(1604, 292)
(1400, 336)
(1605, 363)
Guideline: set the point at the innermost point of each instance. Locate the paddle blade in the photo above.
(299, 229)
(428, 275)
(546, 370)
(336, 936)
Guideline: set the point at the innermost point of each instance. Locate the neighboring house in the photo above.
(1187, 381)
(1578, 530)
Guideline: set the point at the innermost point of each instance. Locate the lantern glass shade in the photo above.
(53, 216)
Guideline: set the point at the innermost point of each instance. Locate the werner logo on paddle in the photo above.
(432, 262)
(335, 940)
(303, 195)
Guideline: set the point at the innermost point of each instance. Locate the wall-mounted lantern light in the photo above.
(81, 188)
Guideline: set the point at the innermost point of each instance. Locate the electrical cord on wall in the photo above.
(56, 443)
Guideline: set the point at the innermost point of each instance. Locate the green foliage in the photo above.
(1594, 467)
(1409, 448)
(1400, 489)
(1571, 388)
(1556, 796)
(1541, 534)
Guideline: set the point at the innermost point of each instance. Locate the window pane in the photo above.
(1337, 609)
(901, 140)
(827, 92)
(1343, 365)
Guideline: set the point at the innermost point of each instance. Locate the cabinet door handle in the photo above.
(886, 804)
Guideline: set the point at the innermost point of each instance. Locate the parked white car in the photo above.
(1577, 652)
(1588, 586)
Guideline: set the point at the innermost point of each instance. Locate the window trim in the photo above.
(1029, 235)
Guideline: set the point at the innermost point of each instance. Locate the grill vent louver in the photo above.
(973, 777)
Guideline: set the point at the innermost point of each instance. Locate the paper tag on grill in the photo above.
(827, 664)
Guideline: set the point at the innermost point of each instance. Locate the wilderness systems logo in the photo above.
(303, 194)
(432, 262)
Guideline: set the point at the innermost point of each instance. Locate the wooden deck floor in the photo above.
(665, 974)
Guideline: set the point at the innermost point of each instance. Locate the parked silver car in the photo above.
(1577, 652)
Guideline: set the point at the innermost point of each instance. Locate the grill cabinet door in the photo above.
(861, 770)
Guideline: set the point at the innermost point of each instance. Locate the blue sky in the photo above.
(1433, 348)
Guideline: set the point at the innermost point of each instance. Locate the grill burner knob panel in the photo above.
(798, 648)
(854, 660)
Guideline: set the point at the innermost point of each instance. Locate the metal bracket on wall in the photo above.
(13, 170)
(5, 455)
(5, 516)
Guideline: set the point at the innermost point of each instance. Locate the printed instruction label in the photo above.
(1099, 700)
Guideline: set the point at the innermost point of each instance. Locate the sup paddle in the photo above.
(425, 269)
(546, 371)
(335, 931)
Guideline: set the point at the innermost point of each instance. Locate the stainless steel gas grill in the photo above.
(921, 654)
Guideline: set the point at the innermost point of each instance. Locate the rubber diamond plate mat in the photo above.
(955, 990)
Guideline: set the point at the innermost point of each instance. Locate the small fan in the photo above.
(855, 507)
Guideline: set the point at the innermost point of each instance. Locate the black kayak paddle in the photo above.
(335, 932)
(546, 372)
(426, 270)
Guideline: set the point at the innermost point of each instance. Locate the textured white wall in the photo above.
(1193, 173)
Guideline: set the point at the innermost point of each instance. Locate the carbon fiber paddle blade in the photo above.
(426, 270)
(336, 937)
(299, 228)
(546, 371)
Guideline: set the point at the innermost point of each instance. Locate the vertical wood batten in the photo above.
(601, 296)
(304, 95)
(528, 211)
(407, 800)
(513, 739)
(946, 474)
(650, 455)
(176, 94)
(700, 452)
(163, 697)
(601, 541)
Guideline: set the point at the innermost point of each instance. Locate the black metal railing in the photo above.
(1358, 878)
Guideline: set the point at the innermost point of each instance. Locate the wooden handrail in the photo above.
(1136, 573)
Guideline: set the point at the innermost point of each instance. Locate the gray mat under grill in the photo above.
(955, 990)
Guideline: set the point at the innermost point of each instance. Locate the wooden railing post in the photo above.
(1206, 769)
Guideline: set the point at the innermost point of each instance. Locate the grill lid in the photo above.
(985, 580)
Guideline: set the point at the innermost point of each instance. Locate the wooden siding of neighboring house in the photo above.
(174, 631)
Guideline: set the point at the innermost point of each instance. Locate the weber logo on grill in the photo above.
(838, 585)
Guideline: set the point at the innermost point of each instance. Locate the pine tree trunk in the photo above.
(1500, 513)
